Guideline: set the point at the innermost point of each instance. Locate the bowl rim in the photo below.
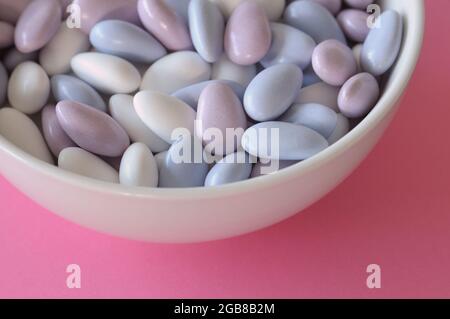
(382, 109)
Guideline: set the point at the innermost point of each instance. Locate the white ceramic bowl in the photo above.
(193, 215)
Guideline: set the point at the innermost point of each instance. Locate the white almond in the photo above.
(81, 162)
(224, 69)
(20, 130)
(107, 73)
(122, 110)
(55, 57)
(28, 88)
(176, 71)
(163, 114)
(138, 167)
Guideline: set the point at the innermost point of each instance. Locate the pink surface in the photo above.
(393, 211)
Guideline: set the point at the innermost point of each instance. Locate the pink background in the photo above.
(393, 211)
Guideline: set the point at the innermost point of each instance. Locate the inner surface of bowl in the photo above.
(199, 214)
